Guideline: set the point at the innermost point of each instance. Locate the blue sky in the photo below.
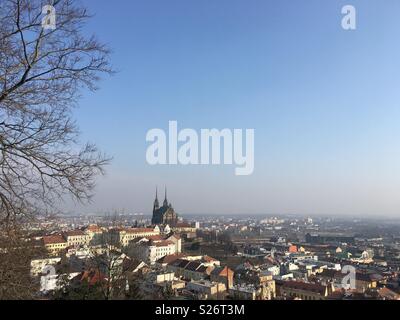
(324, 103)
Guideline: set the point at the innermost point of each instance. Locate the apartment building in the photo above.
(54, 244)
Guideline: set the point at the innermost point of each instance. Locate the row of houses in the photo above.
(94, 235)
(201, 270)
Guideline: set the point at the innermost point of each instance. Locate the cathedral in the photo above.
(165, 214)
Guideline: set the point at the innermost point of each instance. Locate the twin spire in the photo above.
(165, 203)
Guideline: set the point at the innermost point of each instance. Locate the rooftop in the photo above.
(54, 239)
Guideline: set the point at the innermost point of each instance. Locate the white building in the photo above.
(49, 282)
(161, 277)
(243, 292)
(126, 235)
(275, 270)
(206, 288)
(176, 239)
(55, 243)
(76, 238)
(152, 249)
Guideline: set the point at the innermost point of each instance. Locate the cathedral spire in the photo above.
(156, 204)
(165, 203)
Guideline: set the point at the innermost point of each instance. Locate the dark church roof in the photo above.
(165, 214)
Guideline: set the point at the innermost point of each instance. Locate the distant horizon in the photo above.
(253, 215)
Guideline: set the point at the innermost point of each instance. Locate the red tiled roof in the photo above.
(139, 230)
(183, 225)
(92, 277)
(171, 258)
(155, 237)
(53, 239)
(313, 287)
(74, 233)
(94, 228)
(222, 271)
(162, 243)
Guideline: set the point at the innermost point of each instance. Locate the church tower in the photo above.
(165, 203)
(156, 204)
(164, 215)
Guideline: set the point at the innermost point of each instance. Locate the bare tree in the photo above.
(110, 265)
(41, 73)
(16, 254)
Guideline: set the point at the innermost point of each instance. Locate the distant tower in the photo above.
(156, 204)
(165, 203)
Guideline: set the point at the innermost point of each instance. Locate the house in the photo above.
(125, 235)
(195, 270)
(210, 261)
(243, 292)
(176, 239)
(151, 250)
(223, 275)
(267, 286)
(55, 244)
(260, 284)
(160, 277)
(303, 290)
(164, 261)
(184, 227)
(275, 270)
(178, 266)
(76, 238)
(190, 269)
(92, 277)
(331, 276)
(387, 294)
(133, 265)
(365, 281)
(154, 247)
(208, 289)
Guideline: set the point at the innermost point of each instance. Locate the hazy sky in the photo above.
(324, 103)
